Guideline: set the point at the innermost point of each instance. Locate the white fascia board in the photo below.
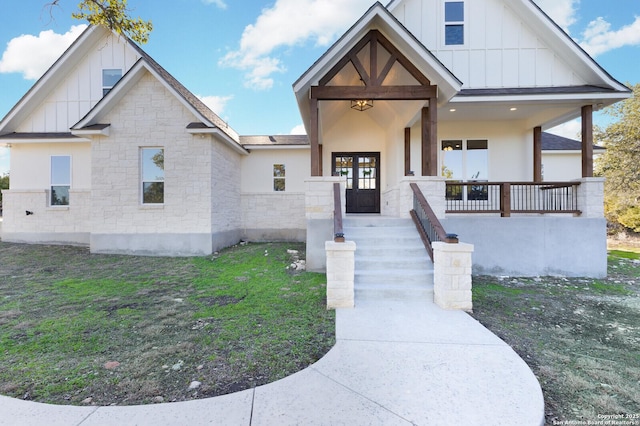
(610, 98)
(124, 86)
(222, 136)
(114, 96)
(377, 17)
(91, 132)
(52, 77)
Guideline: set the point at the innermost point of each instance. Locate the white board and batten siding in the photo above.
(82, 87)
(500, 49)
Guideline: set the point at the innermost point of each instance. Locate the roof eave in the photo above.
(377, 17)
(215, 131)
(51, 77)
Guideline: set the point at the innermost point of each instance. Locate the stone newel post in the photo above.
(452, 275)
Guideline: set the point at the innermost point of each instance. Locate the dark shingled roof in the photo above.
(551, 142)
(193, 100)
(39, 135)
(275, 140)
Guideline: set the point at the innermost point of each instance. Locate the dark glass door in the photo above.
(362, 174)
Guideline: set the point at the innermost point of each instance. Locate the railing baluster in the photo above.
(507, 198)
(427, 222)
(338, 233)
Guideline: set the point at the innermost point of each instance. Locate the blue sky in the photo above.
(243, 56)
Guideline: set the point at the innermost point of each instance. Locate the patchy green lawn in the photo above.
(77, 328)
(581, 337)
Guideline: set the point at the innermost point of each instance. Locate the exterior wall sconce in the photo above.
(362, 104)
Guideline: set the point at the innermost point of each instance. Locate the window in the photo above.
(466, 161)
(454, 23)
(109, 79)
(60, 180)
(278, 177)
(152, 160)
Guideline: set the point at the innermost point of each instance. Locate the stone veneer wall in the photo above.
(225, 198)
(52, 225)
(277, 216)
(319, 217)
(150, 116)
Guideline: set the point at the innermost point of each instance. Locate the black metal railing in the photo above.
(512, 197)
(427, 222)
(338, 232)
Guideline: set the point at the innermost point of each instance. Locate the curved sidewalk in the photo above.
(394, 363)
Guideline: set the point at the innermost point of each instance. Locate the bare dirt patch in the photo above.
(579, 336)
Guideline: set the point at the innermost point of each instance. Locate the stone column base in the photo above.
(452, 275)
(340, 274)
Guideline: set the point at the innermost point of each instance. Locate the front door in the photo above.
(362, 173)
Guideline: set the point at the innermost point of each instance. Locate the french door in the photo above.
(362, 173)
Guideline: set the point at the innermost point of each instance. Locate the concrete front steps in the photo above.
(391, 262)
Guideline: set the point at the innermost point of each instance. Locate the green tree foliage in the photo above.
(115, 15)
(4, 184)
(620, 164)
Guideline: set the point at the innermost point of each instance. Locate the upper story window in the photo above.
(60, 180)
(109, 79)
(152, 170)
(454, 23)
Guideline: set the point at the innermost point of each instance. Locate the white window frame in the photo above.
(143, 181)
(106, 88)
(53, 183)
(465, 35)
(282, 177)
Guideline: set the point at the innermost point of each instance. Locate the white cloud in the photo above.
(571, 129)
(220, 3)
(289, 23)
(217, 104)
(598, 37)
(33, 55)
(298, 130)
(563, 12)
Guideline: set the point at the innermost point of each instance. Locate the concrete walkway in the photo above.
(394, 363)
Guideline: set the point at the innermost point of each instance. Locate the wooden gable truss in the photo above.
(373, 87)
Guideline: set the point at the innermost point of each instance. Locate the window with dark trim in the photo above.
(454, 23)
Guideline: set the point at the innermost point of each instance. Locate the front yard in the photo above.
(579, 336)
(77, 328)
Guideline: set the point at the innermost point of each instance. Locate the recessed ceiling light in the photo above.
(452, 110)
(513, 109)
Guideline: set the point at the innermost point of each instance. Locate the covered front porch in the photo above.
(383, 113)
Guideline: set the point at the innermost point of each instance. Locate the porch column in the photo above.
(407, 150)
(537, 154)
(587, 141)
(316, 170)
(430, 139)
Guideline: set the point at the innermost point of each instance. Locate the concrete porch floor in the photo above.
(394, 363)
